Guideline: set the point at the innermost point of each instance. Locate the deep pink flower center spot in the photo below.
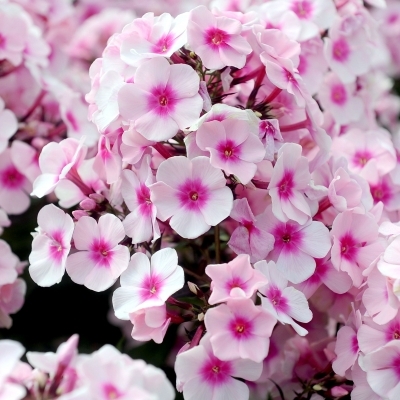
(348, 247)
(303, 9)
(361, 158)
(216, 372)
(163, 44)
(340, 50)
(275, 296)
(338, 94)
(285, 185)
(163, 100)
(11, 178)
(111, 392)
(216, 37)
(193, 194)
(381, 192)
(266, 129)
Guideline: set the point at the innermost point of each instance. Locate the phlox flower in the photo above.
(150, 323)
(290, 179)
(11, 352)
(14, 186)
(239, 329)
(389, 263)
(270, 136)
(148, 284)
(192, 193)
(234, 280)
(283, 302)
(249, 237)
(140, 224)
(346, 347)
(151, 36)
(204, 376)
(56, 161)
(8, 264)
(51, 245)
(100, 260)
(232, 146)
(25, 159)
(12, 297)
(382, 368)
(372, 336)
(217, 40)
(296, 246)
(8, 123)
(163, 99)
(340, 100)
(355, 244)
(361, 389)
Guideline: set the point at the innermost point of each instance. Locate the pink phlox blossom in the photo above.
(347, 54)
(25, 159)
(379, 299)
(217, 40)
(204, 376)
(313, 15)
(239, 329)
(249, 237)
(163, 99)
(56, 364)
(296, 246)
(140, 224)
(12, 297)
(326, 274)
(270, 135)
(340, 99)
(234, 280)
(232, 146)
(355, 244)
(362, 390)
(150, 323)
(289, 181)
(148, 283)
(152, 36)
(14, 186)
(8, 123)
(8, 264)
(347, 348)
(389, 263)
(386, 191)
(284, 302)
(108, 161)
(371, 336)
(73, 111)
(51, 245)
(312, 66)
(58, 161)
(11, 352)
(382, 368)
(100, 260)
(134, 146)
(192, 193)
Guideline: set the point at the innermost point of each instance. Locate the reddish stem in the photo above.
(33, 107)
(324, 205)
(162, 150)
(180, 304)
(294, 127)
(197, 336)
(275, 93)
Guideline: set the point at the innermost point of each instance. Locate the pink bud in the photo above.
(79, 214)
(98, 198)
(338, 391)
(87, 204)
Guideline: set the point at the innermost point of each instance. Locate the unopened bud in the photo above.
(200, 317)
(88, 204)
(338, 391)
(193, 288)
(257, 114)
(78, 214)
(317, 388)
(98, 198)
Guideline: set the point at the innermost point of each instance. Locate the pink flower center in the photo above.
(111, 392)
(216, 372)
(100, 253)
(348, 247)
(360, 158)
(240, 328)
(193, 194)
(303, 9)
(381, 192)
(340, 50)
(286, 185)
(266, 129)
(338, 94)
(150, 286)
(162, 100)
(163, 44)
(216, 37)
(275, 296)
(11, 178)
(57, 246)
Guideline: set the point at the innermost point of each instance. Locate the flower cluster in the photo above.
(103, 375)
(239, 175)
